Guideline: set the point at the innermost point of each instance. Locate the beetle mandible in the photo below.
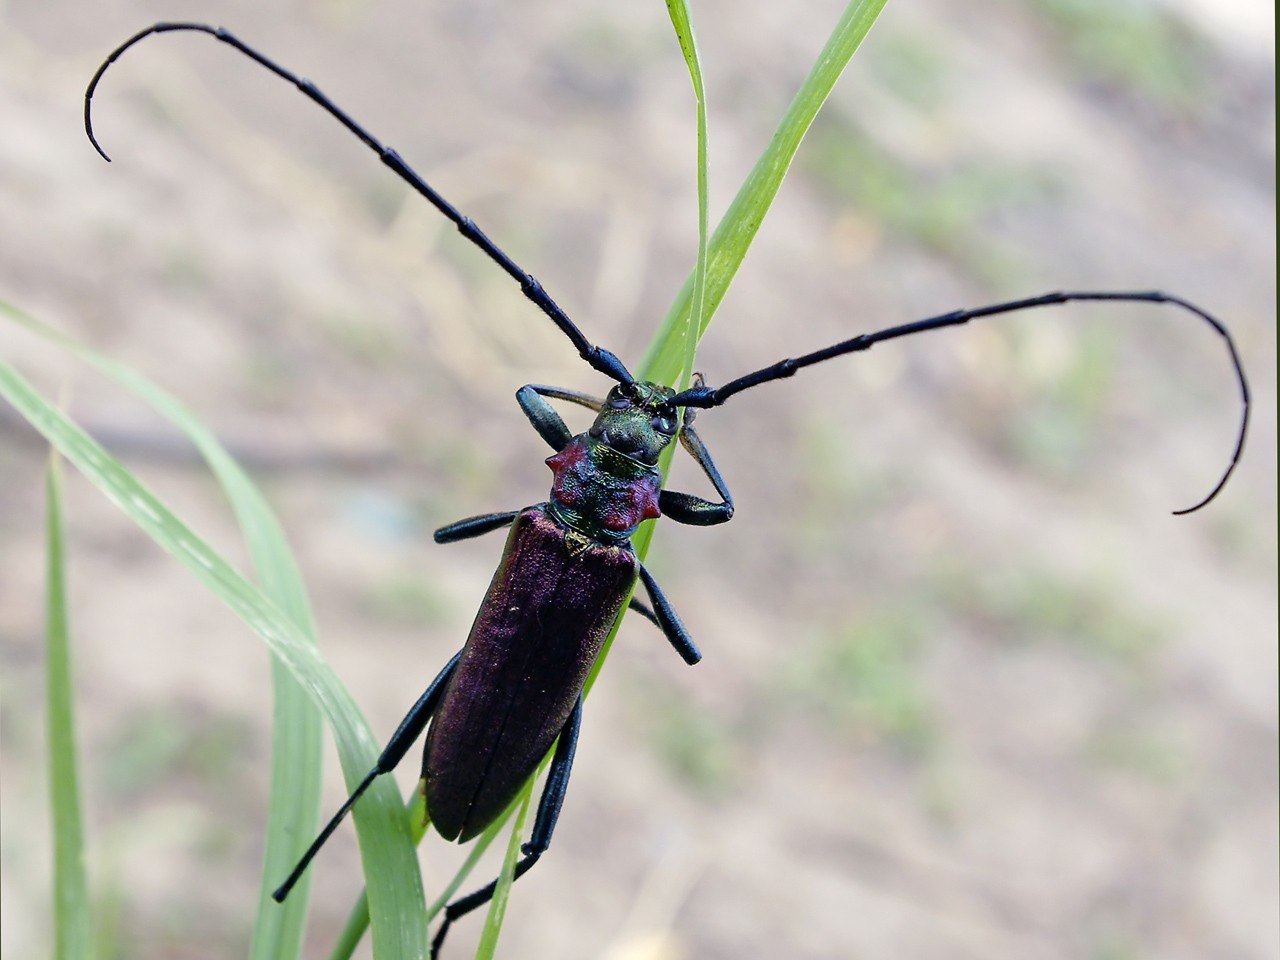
(568, 567)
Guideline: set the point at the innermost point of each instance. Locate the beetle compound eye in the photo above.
(664, 425)
(619, 403)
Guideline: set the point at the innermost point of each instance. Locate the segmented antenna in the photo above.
(703, 396)
(597, 357)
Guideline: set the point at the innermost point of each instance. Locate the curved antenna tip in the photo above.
(1231, 468)
(93, 140)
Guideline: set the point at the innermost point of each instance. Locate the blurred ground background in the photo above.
(969, 690)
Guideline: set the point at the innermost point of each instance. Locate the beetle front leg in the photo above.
(544, 417)
(411, 727)
(685, 507)
(543, 826)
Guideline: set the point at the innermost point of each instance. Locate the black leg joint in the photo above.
(608, 364)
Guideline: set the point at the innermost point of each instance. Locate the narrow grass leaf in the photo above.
(680, 19)
(670, 356)
(73, 926)
(667, 353)
(294, 811)
(478, 848)
(389, 860)
(738, 227)
(498, 905)
(353, 931)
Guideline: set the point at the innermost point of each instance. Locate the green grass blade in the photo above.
(738, 227)
(292, 817)
(294, 812)
(498, 905)
(680, 19)
(297, 735)
(73, 928)
(353, 930)
(397, 902)
(664, 360)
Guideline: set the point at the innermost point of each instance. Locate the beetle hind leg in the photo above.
(414, 722)
(544, 825)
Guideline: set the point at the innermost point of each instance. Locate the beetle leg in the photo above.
(642, 608)
(474, 526)
(557, 783)
(685, 507)
(543, 826)
(544, 417)
(668, 621)
(414, 722)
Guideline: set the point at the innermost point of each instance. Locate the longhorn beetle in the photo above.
(567, 568)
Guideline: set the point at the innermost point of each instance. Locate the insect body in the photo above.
(515, 688)
(564, 577)
(565, 574)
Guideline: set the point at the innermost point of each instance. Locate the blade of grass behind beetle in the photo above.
(73, 926)
(498, 905)
(738, 227)
(733, 236)
(680, 19)
(388, 857)
(294, 810)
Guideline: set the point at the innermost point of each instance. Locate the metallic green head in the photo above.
(637, 420)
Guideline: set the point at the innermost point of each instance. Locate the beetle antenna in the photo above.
(599, 358)
(703, 396)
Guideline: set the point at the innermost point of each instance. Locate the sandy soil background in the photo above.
(969, 690)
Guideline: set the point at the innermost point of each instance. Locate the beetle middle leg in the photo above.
(475, 526)
(411, 727)
(664, 615)
(544, 825)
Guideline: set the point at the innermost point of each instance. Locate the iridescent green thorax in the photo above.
(600, 492)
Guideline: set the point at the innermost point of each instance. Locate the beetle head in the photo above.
(637, 420)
